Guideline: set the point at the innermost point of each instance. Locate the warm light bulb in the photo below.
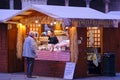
(39, 25)
(20, 24)
(55, 22)
(51, 23)
(36, 21)
(66, 27)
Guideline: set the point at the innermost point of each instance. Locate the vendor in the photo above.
(52, 38)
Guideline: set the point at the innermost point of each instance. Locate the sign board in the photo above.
(69, 70)
(96, 22)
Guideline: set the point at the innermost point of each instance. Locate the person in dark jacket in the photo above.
(52, 38)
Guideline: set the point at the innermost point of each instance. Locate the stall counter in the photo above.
(51, 64)
(53, 55)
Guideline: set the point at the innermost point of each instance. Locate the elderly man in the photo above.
(29, 52)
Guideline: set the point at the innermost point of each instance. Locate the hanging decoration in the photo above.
(66, 22)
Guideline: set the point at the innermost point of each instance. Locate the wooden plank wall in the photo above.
(81, 65)
(14, 64)
(3, 48)
(109, 39)
(111, 44)
(49, 68)
(118, 50)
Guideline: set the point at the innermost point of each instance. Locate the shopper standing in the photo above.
(29, 52)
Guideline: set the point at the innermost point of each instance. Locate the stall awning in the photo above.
(114, 13)
(72, 12)
(6, 13)
(65, 12)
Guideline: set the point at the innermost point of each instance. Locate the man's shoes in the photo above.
(30, 76)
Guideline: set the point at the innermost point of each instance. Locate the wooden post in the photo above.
(29, 2)
(66, 2)
(11, 4)
(88, 3)
(106, 5)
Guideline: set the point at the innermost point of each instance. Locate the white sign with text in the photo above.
(69, 70)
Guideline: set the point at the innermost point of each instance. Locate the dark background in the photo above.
(95, 4)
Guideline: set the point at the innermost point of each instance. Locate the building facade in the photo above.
(101, 5)
(114, 5)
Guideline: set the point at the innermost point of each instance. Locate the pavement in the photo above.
(21, 76)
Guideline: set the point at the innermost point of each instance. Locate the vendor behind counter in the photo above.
(49, 41)
(52, 38)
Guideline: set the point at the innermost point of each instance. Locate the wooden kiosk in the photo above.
(53, 63)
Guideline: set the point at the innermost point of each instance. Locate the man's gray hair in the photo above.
(31, 33)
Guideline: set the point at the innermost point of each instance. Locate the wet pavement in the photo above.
(21, 76)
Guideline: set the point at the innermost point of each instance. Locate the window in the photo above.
(94, 37)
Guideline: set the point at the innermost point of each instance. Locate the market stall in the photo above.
(77, 34)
